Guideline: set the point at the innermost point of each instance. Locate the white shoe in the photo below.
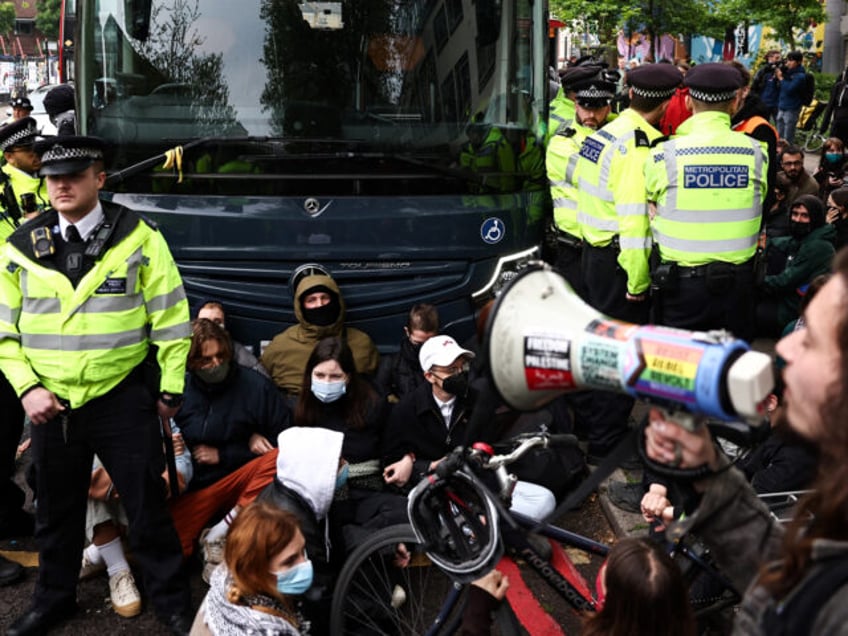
(126, 600)
(213, 553)
(89, 568)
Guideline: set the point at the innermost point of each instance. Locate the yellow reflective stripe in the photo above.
(66, 342)
(631, 209)
(705, 246)
(707, 216)
(10, 335)
(599, 192)
(607, 225)
(111, 304)
(9, 314)
(166, 301)
(175, 332)
(634, 242)
(570, 204)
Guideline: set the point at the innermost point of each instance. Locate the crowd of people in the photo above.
(678, 198)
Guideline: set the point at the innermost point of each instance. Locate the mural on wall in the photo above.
(638, 46)
(748, 47)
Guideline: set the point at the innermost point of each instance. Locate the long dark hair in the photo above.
(646, 594)
(823, 514)
(358, 396)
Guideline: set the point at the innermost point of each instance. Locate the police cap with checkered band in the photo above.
(18, 134)
(69, 154)
(574, 75)
(713, 82)
(654, 81)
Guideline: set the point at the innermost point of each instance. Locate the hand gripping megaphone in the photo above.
(543, 340)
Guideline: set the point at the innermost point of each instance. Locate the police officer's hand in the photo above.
(637, 298)
(166, 411)
(41, 405)
(204, 454)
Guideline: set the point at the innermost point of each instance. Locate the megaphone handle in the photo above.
(699, 472)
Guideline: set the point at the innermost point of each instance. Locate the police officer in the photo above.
(707, 185)
(561, 112)
(85, 290)
(19, 173)
(613, 218)
(591, 109)
(21, 107)
(489, 155)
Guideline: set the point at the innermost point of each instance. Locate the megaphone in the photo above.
(543, 340)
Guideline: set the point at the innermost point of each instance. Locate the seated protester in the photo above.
(266, 568)
(830, 173)
(837, 215)
(399, 372)
(320, 311)
(334, 395)
(641, 591)
(230, 420)
(214, 311)
(106, 522)
(310, 469)
(777, 216)
(428, 423)
(809, 253)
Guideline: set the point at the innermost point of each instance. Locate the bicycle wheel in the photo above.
(814, 141)
(374, 595)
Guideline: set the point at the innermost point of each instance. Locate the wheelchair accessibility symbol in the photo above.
(492, 231)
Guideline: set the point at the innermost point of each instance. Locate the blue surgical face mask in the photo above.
(342, 475)
(328, 391)
(833, 157)
(295, 580)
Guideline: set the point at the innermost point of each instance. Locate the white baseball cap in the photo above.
(440, 351)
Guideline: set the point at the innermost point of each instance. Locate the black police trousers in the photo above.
(605, 285)
(122, 428)
(11, 427)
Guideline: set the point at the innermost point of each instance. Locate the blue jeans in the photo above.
(786, 122)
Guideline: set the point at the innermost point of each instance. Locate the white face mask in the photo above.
(328, 391)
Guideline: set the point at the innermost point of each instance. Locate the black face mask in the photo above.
(456, 384)
(323, 316)
(799, 230)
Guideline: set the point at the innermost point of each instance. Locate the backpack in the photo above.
(808, 91)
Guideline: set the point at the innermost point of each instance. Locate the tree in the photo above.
(783, 17)
(7, 18)
(48, 16)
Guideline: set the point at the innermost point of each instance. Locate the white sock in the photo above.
(113, 555)
(219, 530)
(93, 554)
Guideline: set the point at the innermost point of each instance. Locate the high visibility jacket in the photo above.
(611, 193)
(493, 155)
(563, 153)
(21, 183)
(80, 343)
(708, 183)
(560, 114)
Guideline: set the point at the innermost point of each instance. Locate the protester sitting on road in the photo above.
(641, 592)
(795, 575)
(426, 424)
(213, 310)
(792, 166)
(837, 215)
(809, 252)
(830, 173)
(334, 395)
(230, 420)
(266, 568)
(310, 470)
(400, 373)
(320, 311)
(106, 523)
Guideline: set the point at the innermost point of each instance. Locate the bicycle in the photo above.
(807, 135)
(401, 582)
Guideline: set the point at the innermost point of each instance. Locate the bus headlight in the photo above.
(506, 269)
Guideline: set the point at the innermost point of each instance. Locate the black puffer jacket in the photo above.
(226, 415)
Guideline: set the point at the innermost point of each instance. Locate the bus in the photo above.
(394, 144)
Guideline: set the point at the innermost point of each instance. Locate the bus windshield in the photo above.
(275, 80)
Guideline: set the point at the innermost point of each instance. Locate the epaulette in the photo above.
(153, 225)
(641, 139)
(656, 142)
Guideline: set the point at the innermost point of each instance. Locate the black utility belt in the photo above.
(712, 269)
(614, 244)
(564, 238)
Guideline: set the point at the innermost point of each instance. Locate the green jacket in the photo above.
(806, 259)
